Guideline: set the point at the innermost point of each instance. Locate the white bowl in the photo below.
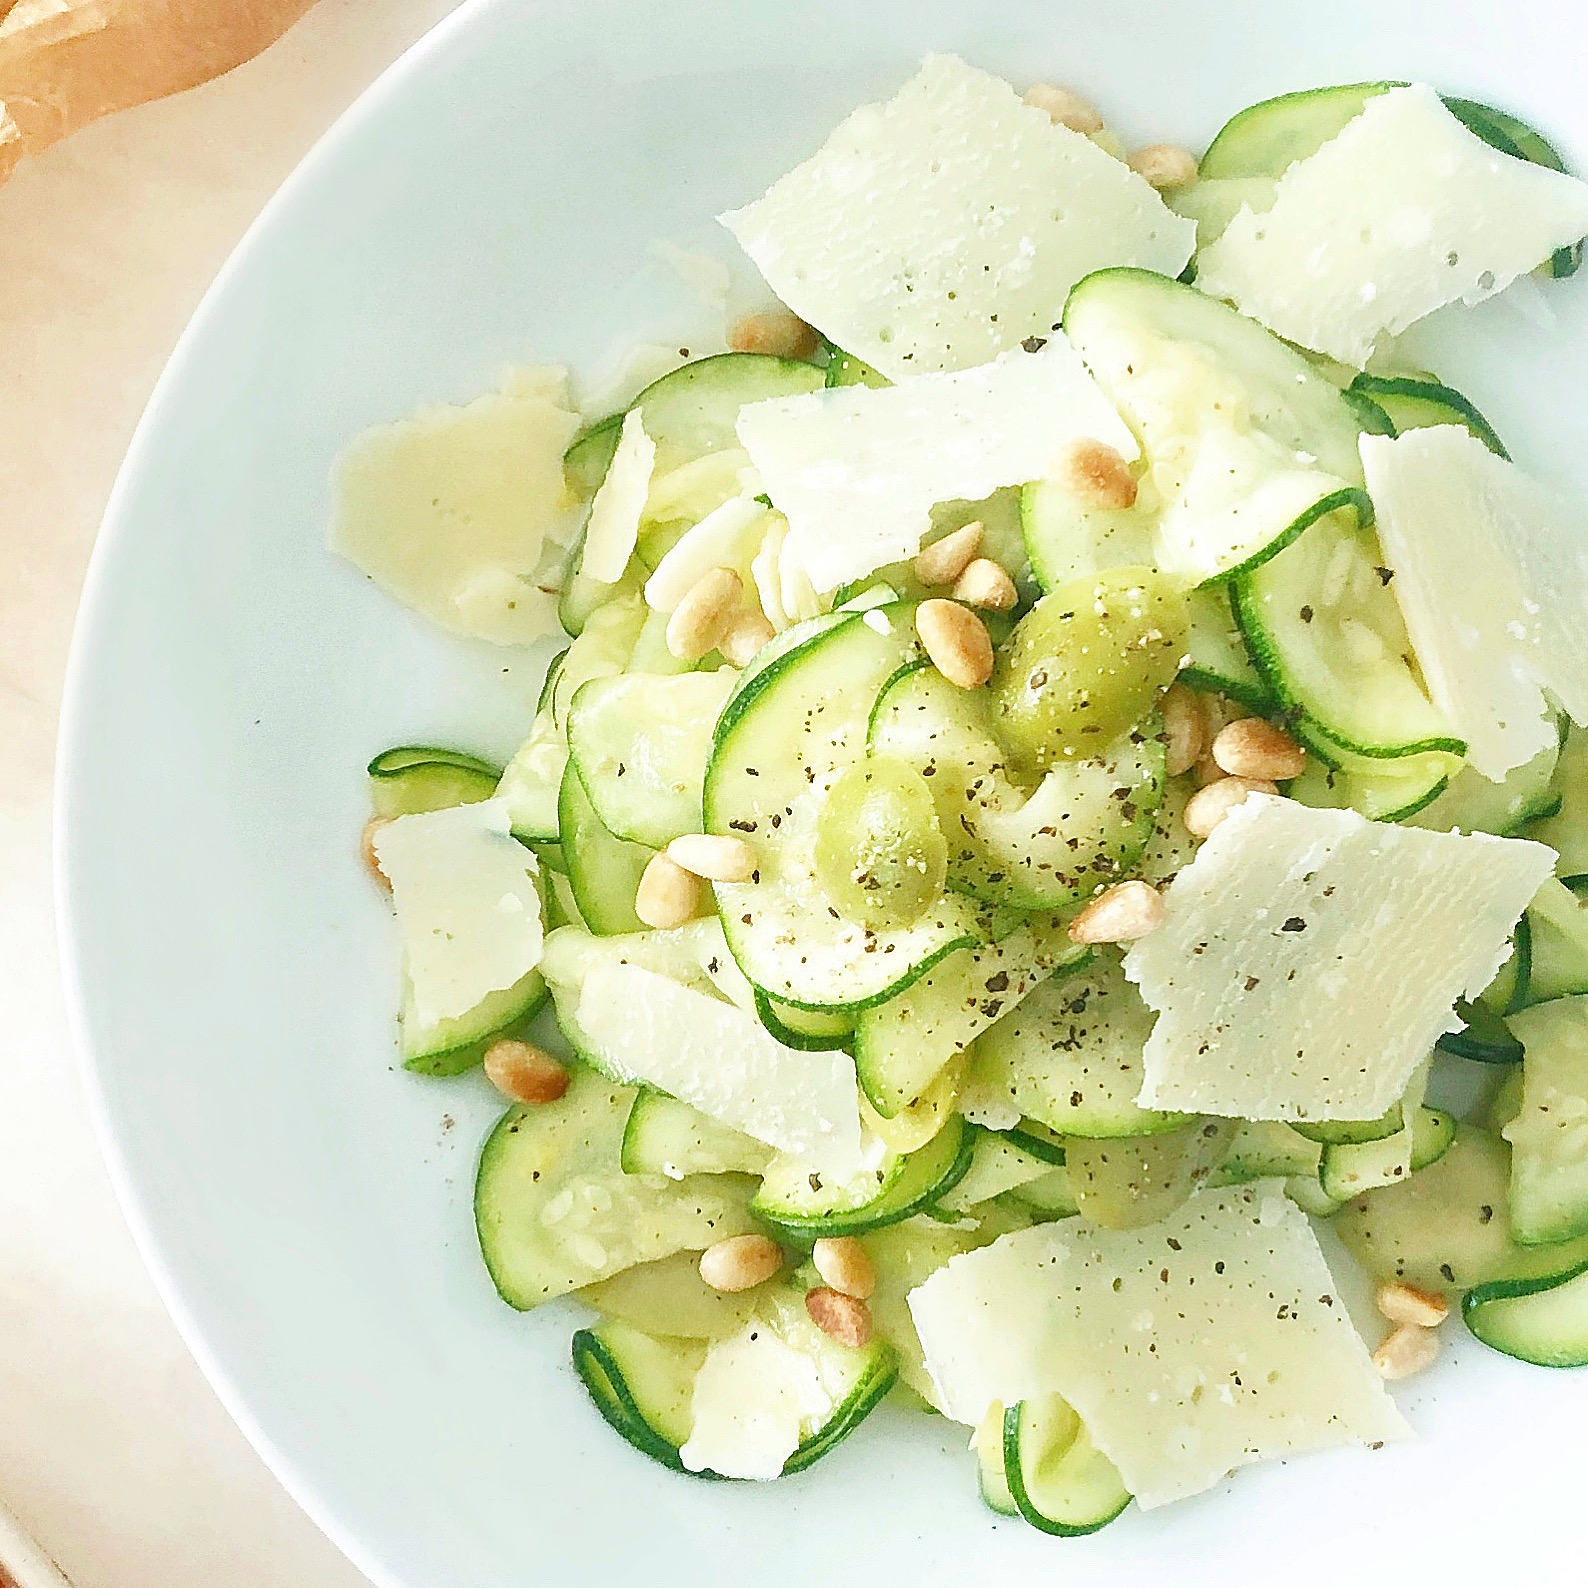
(304, 1205)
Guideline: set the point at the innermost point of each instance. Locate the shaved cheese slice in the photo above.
(462, 512)
(943, 227)
(1491, 571)
(613, 528)
(753, 1397)
(1309, 959)
(721, 1060)
(857, 470)
(1197, 1345)
(468, 908)
(720, 540)
(1403, 211)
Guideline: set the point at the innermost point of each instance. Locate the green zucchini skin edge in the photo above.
(1366, 388)
(1017, 1487)
(801, 1231)
(862, 1401)
(598, 1370)
(1515, 1290)
(602, 1377)
(801, 1041)
(1350, 496)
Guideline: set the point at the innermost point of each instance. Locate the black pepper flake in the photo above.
(1252, 983)
(1294, 924)
(1034, 344)
(1384, 574)
(1448, 1272)
(1306, 614)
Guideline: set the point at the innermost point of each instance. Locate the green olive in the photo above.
(1087, 663)
(880, 854)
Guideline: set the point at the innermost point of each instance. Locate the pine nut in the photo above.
(717, 858)
(778, 332)
(746, 635)
(702, 617)
(1165, 165)
(945, 560)
(366, 849)
(1253, 747)
(667, 895)
(1209, 806)
(985, 584)
(1185, 729)
(846, 1318)
(741, 1262)
(1093, 469)
(1406, 1350)
(957, 642)
(844, 1266)
(1065, 106)
(1403, 1303)
(1119, 914)
(525, 1073)
(1209, 771)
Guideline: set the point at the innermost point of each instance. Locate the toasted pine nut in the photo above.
(1209, 771)
(1065, 106)
(667, 895)
(366, 849)
(945, 560)
(1403, 1303)
(779, 332)
(1406, 1350)
(1253, 747)
(746, 635)
(844, 1266)
(1096, 471)
(1119, 914)
(986, 584)
(741, 1262)
(701, 618)
(846, 1318)
(525, 1073)
(1165, 165)
(1209, 806)
(718, 858)
(1185, 729)
(957, 641)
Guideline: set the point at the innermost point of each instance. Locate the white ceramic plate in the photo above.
(305, 1206)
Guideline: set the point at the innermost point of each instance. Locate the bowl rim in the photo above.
(419, 58)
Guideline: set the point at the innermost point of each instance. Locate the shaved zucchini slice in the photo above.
(1326, 633)
(800, 1206)
(785, 734)
(1447, 1228)
(1059, 1480)
(554, 1211)
(413, 779)
(1069, 1057)
(1412, 402)
(647, 1387)
(1542, 1321)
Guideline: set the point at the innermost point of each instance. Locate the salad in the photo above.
(1065, 777)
